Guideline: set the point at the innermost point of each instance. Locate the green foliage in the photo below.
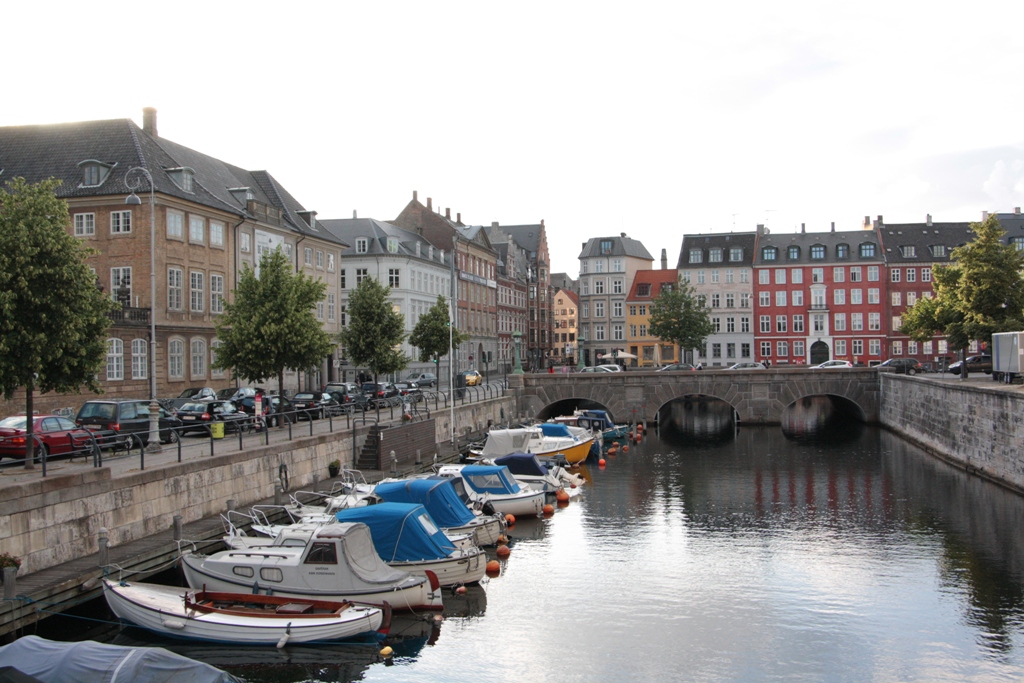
(430, 335)
(53, 317)
(375, 330)
(8, 560)
(272, 325)
(981, 292)
(679, 316)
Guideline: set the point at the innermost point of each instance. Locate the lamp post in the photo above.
(579, 351)
(517, 337)
(133, 179)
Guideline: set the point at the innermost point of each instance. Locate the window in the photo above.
(793, 253)
(766, 323)
(585, 310)
(875, 347)
(343, 319)
(307, 256)
(716, 350)
(872, 273)
(716, 324)
(728, 276)
(714, 255)
(744, 324)
(341, 278)
(115, 359)
(700, 277)
(730, 324)
(843, 251)
(216, 293)
(763, 277)
(818, 298)
(330, 307)
(856, 297)
(912, 348)
(856, 322)
(120, 222)
(840, 347)
(855, 274)
(93, 173)
(769, 253)
(897, 323)
(783, 349)
(361, 274)
(817, 276)
(780, 323)
(197, 291)
(174, 285)
(606, 247)
(140, 359)
(780, 276)
(840, 322)
(330, 262)
(196, 229)
(798, 276)
(392, 245)
(617, 333)
(599, 332)
(766, 349)
(926, 275)
(599, 286)
(798, 323)
(362, 245)
(839, 297)
(838, 274)
(780, 298)
(616, 266)
(730, 300)
(818, 323)
(735, 254)
(858, 347)
(617, 287)
(867, 250)
(598, 309)
(617, 309)
(214, 351)
(765, 298)
(198, 358)
(911, 298)
(320, 310)
(873, 297)
(585, 287)
(938, 250)
(818, 252)
(745, 350)
(716, 300)
(897, 348)
(745, 300)
(176, 359)
(911, 275)
(85, 224)
(245, 242)
(322, 553)
(216, 234)
(875, 321)
(121, 283)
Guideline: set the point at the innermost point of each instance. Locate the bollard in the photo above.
(278, 494)
(419, 458)
(231, 504)
(103, 540)
(10, 583)
(316, 481)
(394, 463)
(177, 527)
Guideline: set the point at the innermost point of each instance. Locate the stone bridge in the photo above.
(757, 396)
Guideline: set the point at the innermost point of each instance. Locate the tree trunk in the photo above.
(29, 440)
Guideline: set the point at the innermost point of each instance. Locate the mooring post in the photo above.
(394, 463)
(10, 583)
(231, 504)
(103, 540)
(316, 481)
(419, 458)
(177, 527)
(278, 494)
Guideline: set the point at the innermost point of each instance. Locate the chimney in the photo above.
(414, 193)
(622, 234)
(542, 222)
(867, 222)
(833, 226)
(458, 218)
(430, 204)
(354, 214)
(879, 223)
(149, 121)
(664, 260)
(494, 224)
(448, 213)
(928, 219)
(984, 216)
(803, 228)
(1016, 210)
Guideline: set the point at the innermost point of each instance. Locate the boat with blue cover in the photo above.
(548, 438)
(442, 501)
(407, 538)
(494, 484)
(540, 473)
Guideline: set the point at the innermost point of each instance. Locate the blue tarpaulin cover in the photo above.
(437, 495)
(522, 464)
(599, 419)
(555, 429)
(402, 532)
(495, 479)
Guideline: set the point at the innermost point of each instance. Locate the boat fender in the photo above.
(255, 587)
(287, 634)
(175, 624)
(488, 509)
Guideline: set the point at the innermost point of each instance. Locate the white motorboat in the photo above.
(494, 485)
(337, 563)
(573, 443)
(540, 473)
(240, 618)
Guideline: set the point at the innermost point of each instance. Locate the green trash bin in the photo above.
(217, 430)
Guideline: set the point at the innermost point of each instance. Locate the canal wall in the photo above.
(52, 520)
(978, 428)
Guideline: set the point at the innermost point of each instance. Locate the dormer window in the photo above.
(643, 289)
(606, 247)
(182, 177)
(735, 254)
(908, 252)
(843, 251)
(793, 253)
(362, 245)
(242, 195)
(817, 252)
(867, 250)
(392, 245)
(715, 255)
(696, 256)
(93, 172)
(769, 253)
(938, 250)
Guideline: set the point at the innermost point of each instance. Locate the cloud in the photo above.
(1005, 183)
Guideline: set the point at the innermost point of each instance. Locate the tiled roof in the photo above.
(620, 246)
(723, 241)
(377, 234)
(526, 236)
(656, 279)
(919, 242)
(804, 241)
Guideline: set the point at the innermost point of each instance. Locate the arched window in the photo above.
(198, 358)
(214, 350)
(176, 359)
(115, 359)
(140, 359)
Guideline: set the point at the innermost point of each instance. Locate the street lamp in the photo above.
(517, 337)
(579, 351)
(134, 182)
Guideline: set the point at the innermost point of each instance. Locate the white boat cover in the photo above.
(91, 662)
(504, 441)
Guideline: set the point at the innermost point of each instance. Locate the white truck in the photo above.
(1007, 356)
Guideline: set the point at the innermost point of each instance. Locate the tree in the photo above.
(272, 325)
(678, 315)
(375, 330)
(53, 317)
(979, 293)
(430, 335)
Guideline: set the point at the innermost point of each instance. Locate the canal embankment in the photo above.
(977, 425)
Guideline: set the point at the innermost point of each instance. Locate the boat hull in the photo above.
(486, 530)
(461, 568)
(574, 454)
(162, 609)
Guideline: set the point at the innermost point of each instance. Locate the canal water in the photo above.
(753, 556)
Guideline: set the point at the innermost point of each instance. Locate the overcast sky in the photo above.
(653, 119)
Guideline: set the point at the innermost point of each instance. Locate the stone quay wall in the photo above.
(977, 428)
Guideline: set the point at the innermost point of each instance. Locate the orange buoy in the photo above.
(493, 567)
(502, 539)
(563, 503)
(503, 551)
(572, 486)
(625, 449)
(510, 520)
(549, 510)
(562, 495)
(601, 462)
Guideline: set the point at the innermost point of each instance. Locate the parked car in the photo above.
(903, 366)
(747, 365)
(315, 404)
(472, 378)
(595, 368)
(409, 391)
(611, 367)
(348, 395)
(236, 394)
(120, 423)
(198, 415)
(277, 410)
(981, 363)
(191, 394)
(381, 393)
(423, 379)
(672, 367)
(832, 364)
(55, 435)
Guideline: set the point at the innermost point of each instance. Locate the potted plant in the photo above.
(333, 467)
(8, 560)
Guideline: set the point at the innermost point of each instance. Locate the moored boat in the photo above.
(540, 475)
(240, 618)
(442, 501)
(494, 485)
(548, 438)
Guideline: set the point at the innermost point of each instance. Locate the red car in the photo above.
(57, 435)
